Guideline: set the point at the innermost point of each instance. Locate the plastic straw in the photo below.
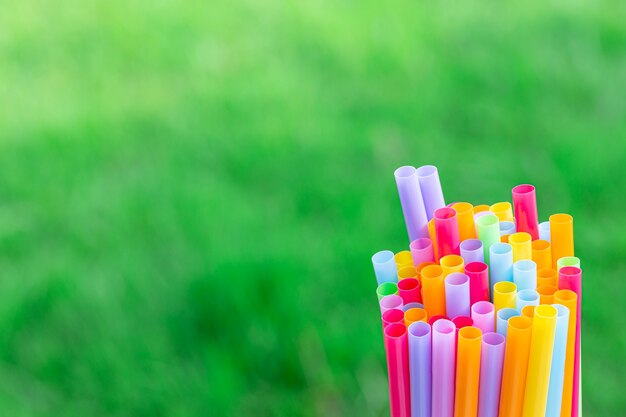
(443, 369)
(432, 320)
(569, 299)
(491, 362)
(529, 311)
(394, 315)
(386, 288)
(539, 361)
(527, 298)
(547, 277)
(462, 321)
(465, 217)
(501, 263)
(504, 238)
(481, 214)
(546, 294)
(407, 272)
(457, 287)
(506, 228)
(525, 275)
(542, 254)
(389, 302)
(403, 258)
(433, 290)
(522, 246)
(544, 231)
(421, 266)
(396, 346)
(515, 366)
(488, 232)
(433, 238)
(480, 208)
(447, 231)
(561, 236)
(525, 210)
(422, 251)
(431, 189)
(451, 263)
(483, 314)
(504, 295)
(409, 306)
(414, 315)
(412, 202)
(420, 339)
(503, 210)
(478, 274)
(502, 319)
(410, 290)
(472, 250)
(467, 372)
(385, 267)
(567, 261)
(557, 368)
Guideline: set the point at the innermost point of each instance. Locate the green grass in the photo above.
(190, 193)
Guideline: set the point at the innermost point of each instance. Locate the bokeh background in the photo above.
(190, 192)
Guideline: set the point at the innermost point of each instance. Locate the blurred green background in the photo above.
(190, 192)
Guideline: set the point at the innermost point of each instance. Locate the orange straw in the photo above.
(414, 314)
(467, 372)
(515, 366)
(542, 254)
(433, 291)
(465, 217)
(480, 208)
(547, 277)
(561, 236)
(569, 299)
(421, 266)
(546, 294)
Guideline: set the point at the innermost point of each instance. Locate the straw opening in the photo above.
(528, 295)
(471, 244)
(395, 330)
(426, 171)
(382, 257)
(444, 326)
(520, 237)
(493, 339)
(444, 213)
(520, 323)
(451, 261)
(504, 287)
(501, 248)
(523, 189)
(561, 218)
(476, 267)
(404, 172)
(487, 220)
(421, 244)
(483, 307)
(470, 333)
(525, 265)
(457, 278)
(408, 284)
(545, 311)
(419, 329)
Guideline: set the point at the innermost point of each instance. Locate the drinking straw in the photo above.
(390, 301)
(569, 299)
(561, 236)
(432, 320)
(544, 231)
(386, 288)
(431, 189)
(542, 254)
(433, 238)
(414, 315)
(568, 261)
(481, 214)
(420, 339)
(488, 232)
(412, 202)
(410, 290)
(423, 265)
(547, 277)
(478, 274)
(433, 290)
(422, 251)
(503, 210)
(447, 231)
(483, 314)
(462, 321)
(491, 362)
(407, 272)
(465, 217)
(472, 250)
(557, 368)
(570, 278)
(467, 372)
(546, 294)
(527, 298)
(504, 238)
(529, 311)
(501, 263)
(539, 361)
(409, 306)
(480, 208)
(394, 315)
(522, 246)
(443, 369)
(397, 348)
(515, 365)
(451, 263)
(403, 258)
(504, 295)
(385, 267)
(457, 287)
(525, 275)
(525, 209)
(506, 227)
(502, 319)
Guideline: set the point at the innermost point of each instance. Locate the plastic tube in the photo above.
(394, 315)
(488, 232)
(467, 372)
(546, 294)
(501, 263)
(561, 236)
(478, 274)
(397, 348)
(504, 238)
(480, 208)
(412, 202)
(542, 254)
(481, 214)
(483, 314)
(567, 261)
(503, 210)
(410, 290)
(544, 231)
(515, 366)
(443, 369)
(386, 288)
(522, 246)
(472, 250)
(529, 311)
(557, 368)
(407, 272)
(527, 298)
(539, 361)
(447, 231)
(569, 299)
(451, 263)
(504, 295)
(409, 306)
(502, 319)
(390, 301)
(506, 228)
(421, 266)
(414, 315)
(431, 189)
(403, 258)
(525, 209)
(385, 267)
(570, 278)
(525, 275)
(433, 290)
(465, 217)
(457, 288)
(491, 362)
(433, 319)
(422, 251)
(433, 238)
(547, 277)
(462, 321)
(420, 339)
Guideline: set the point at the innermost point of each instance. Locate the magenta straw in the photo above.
(447, 231)
(390, 302)
(391, 316)
(478, 274)
(491, 362)
(420, 339)
(457, 288)
(472, 250)
(462, 321)
(483, 314)
(422, 251)
(443, 368)
(525, 210)
(432, 320)
(410, 289)
(412, 203)
(397, 348)
(570, 278)
(431, 189)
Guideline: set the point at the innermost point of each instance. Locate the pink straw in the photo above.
(410, 289)
(447, 231)
(422, 251)
(483, 314)
(396, 346)
(443, 368)
(525, 208)
(478, 274)
(390, 302)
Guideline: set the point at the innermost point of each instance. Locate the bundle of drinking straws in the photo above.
(481, 316)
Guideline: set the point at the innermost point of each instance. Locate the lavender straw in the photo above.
(420, 368)
(491, 362)
(472, 251)
(443, 368)
(430, 187)
(412, 203)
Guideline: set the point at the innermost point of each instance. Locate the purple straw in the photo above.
(483, 314)
(422, 251)
(412, 203)
(457, 287)
(491, 362)
(420, 368)
(472, 251)
(431, 189)
(390, 302)
(443, 368)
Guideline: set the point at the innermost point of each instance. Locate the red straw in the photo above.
(396, 345)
